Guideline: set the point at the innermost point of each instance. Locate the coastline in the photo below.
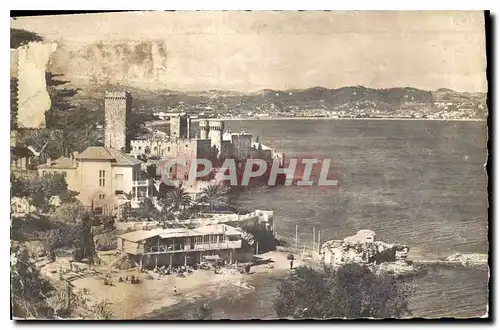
(151, 296)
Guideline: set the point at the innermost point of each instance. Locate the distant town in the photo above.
(319, 102)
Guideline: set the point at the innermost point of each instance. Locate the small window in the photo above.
(65, 175)
(101, 196)
(118, 192)
(168, 148)
(140, 148)
(185, 176)
(102, 176)
(119, 176)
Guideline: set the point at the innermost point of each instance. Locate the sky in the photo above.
(249, 51)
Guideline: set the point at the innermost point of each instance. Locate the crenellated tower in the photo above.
(216, 129)
(117, 109)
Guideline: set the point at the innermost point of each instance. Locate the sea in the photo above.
(421, 183)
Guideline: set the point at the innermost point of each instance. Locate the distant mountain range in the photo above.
(311, 98)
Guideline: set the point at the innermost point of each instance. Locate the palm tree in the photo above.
(215, 196)
(178, 198)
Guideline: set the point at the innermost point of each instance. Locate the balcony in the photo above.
(195, 247)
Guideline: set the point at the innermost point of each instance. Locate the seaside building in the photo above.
(101, 176)
(181, 246)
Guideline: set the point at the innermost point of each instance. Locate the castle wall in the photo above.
(242, 145)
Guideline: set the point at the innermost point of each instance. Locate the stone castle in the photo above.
(105, 175)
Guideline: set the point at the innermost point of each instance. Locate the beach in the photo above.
(131, 301)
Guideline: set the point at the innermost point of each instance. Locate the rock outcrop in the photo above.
(363, 249)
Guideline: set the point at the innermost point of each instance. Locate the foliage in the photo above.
(176, 199)
(48, 143)
(146, 210)
(75, 124)
(69, 213)
(72, 229)
(215, 197)
(42, 188)
(266, 239)
(351, 291)
(29, 290)
(101, 311)
(20, 38)
(19, 186)
(13, 103)
(31, 227)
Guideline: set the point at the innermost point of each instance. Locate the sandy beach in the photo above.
(129, 301)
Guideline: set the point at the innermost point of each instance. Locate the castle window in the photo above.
(102, 178)
(139, 147)
(101, 196)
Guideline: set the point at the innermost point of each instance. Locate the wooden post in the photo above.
(257, 252)
(157, 252)
(296, 236)
(314, 239)
(140, 262)
(185, 259)
(319, 241)
(170, 266)
(68, 295)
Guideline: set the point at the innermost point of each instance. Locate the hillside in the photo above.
(390, 101)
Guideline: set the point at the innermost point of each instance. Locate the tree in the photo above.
(42, 188)
(259, 233)
(351, 291)
(177, 199)
(147, 209)
(19, 186)
(69, 213)
(215, 196)
(20, 38)
(46, 142)
(29, 290)
(13, 103)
